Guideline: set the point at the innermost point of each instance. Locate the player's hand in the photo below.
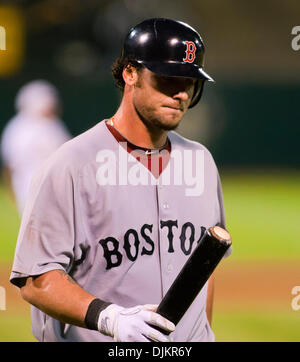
(134, 324)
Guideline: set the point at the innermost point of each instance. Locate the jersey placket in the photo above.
(166, 247)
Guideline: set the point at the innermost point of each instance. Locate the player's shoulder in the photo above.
(183, 143)
(81, 149)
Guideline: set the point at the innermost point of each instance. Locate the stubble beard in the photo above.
(154, 123)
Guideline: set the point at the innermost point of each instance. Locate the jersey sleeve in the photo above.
(48, 237)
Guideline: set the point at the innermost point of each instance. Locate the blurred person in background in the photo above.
(31, 136)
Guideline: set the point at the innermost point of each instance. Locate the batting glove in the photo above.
(134, 324)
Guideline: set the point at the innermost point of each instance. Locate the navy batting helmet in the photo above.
(168, 47)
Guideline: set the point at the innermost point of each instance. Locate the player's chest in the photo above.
(140, 220)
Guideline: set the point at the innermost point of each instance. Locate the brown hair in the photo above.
(117, 69)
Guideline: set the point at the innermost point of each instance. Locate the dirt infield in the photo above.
(257, 284)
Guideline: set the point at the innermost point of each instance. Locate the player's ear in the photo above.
(130, 75)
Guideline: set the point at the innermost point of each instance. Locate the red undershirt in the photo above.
(155, 160)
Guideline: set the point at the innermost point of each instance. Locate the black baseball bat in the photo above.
(194, 274)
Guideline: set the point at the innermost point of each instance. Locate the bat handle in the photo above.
(163, 331)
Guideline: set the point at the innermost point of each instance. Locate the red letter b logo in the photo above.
(190, 52)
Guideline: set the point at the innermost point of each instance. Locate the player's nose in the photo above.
(182, 96)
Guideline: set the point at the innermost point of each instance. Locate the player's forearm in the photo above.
(56, 294)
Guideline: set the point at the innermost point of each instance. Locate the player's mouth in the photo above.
(175, 108)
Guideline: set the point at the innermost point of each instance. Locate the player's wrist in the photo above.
(93, 312)
(108, 318)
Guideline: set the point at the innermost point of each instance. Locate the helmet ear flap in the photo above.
(198, 90)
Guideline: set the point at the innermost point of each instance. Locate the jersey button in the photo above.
(166, 206)
(170, 267)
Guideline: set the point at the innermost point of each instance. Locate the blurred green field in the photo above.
(262, 212)
(15, 327)
(255, 326)
(9, 225)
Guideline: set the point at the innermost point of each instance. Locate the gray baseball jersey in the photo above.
(97, 213)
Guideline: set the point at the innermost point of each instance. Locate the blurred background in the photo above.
(249, 119)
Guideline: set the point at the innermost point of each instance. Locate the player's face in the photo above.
(161, 101)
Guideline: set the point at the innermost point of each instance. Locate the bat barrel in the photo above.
(195, 273)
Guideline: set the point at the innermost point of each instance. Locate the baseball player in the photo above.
(31, 135)
(115, 213)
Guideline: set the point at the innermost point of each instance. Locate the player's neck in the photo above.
(130, 125)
